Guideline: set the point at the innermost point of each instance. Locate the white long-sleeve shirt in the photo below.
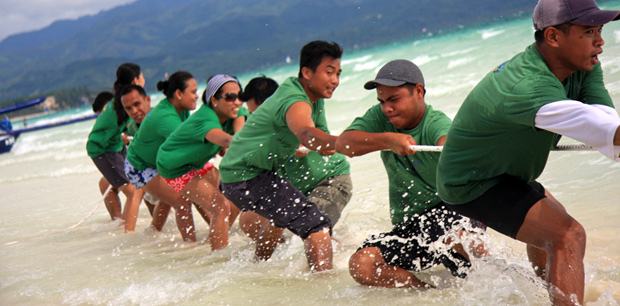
(594, 125)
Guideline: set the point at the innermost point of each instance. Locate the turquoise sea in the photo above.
(57, 245)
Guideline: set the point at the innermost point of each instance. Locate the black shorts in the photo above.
(112, 166)
(417, 244)
(277, 200)
(504, 206)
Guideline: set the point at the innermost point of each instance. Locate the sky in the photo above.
(27, 15)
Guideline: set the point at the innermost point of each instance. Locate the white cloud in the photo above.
(28, 15)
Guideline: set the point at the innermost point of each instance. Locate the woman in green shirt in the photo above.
(106, 149)
(180, 91)
(183, 159)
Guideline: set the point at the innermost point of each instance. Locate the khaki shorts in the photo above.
(332, 195)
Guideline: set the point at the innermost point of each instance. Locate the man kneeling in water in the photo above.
(400, 120)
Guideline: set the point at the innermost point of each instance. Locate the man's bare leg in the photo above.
(250, 224)
(476, 248)
(268, 238)
(110, 199)
(262, 232)
(538, 259)
(548, 227)
(368, 267)
(319, 251)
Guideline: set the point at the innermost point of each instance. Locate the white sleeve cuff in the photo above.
(594, 125)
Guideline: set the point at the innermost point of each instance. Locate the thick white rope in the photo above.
(425, 148)
(569, 147)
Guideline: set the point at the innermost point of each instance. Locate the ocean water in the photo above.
(57, 245)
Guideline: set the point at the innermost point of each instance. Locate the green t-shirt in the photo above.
(307, 172)
(265, 141)
(411, 177)
(106, 133)
(494, 132)
(156, 127)
(187, 148)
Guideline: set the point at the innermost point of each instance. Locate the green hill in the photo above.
(208, 36)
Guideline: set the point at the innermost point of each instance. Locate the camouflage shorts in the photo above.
(332, 195)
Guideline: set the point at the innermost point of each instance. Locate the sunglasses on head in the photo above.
(229, 97)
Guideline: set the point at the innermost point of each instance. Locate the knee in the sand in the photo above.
(363, 265)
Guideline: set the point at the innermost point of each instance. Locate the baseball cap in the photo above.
(581, 12)
(397, 73)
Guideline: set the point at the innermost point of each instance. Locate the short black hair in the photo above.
(101, 100)
(131, 87)
(539, 35)
(121, 115)
(313, 53)
(259, 89)
(411, 86)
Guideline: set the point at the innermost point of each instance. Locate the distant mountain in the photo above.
(212, 36)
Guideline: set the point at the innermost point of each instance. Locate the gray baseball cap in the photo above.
(582, 12)
(397, 73)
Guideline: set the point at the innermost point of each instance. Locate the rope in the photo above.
(573, 147)
(425, 148)
(96, 206)
(569, 147)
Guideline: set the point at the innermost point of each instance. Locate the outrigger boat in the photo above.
(8, 135)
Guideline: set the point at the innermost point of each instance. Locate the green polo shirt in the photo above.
(265, 142)
(494, 132)
(187, 148)
(105, 135)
